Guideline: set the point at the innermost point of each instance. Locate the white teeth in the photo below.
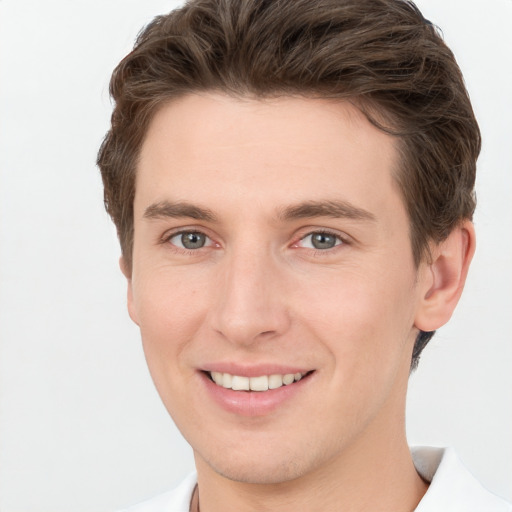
(240, 383)
(258, 383)
(227, 380)
(261, 383)
(288, 379)
(217, 378)
(275, 381)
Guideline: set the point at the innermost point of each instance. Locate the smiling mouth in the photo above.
(261, 383)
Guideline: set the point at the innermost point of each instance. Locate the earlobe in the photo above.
(126, 270)
(442, 280)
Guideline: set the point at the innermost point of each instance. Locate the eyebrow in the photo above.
(164, 209)
(308, 209)
(335, 209)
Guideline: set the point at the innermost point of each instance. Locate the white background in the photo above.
(81, 427)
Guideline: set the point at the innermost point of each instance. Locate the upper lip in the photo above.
(254, 370)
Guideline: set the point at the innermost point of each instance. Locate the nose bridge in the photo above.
(250, 302)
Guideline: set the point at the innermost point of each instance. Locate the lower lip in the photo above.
(252, 403)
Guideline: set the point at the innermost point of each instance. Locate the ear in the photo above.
(127, 271)
(442, 279)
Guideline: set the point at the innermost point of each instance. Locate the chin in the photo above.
(260, 474)
(270, 466)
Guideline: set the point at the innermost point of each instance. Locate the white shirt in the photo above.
(452, 488)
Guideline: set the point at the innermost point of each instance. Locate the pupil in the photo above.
(193, 240)
(323, 241)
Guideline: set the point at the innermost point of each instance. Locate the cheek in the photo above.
(170, 307)
(363, 318)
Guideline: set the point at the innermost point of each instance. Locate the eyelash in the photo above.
(340, 241)
(166, 239)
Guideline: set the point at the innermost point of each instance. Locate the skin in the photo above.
(258, 292)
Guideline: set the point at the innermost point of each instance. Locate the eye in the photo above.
(190, 240)
(321, 241)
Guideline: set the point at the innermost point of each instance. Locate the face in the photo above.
(272, 252)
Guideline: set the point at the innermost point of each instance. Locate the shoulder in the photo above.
(452, 487)
(176, 500)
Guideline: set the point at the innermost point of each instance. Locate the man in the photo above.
(292, 184)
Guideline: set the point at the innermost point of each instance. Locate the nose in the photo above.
(251, 298)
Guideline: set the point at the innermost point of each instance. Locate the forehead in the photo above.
(216, 149)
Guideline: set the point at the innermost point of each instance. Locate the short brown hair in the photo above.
(380, 54)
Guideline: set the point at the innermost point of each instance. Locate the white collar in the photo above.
(452, 487)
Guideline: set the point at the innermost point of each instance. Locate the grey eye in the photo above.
(191, 240)
(323, 240)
